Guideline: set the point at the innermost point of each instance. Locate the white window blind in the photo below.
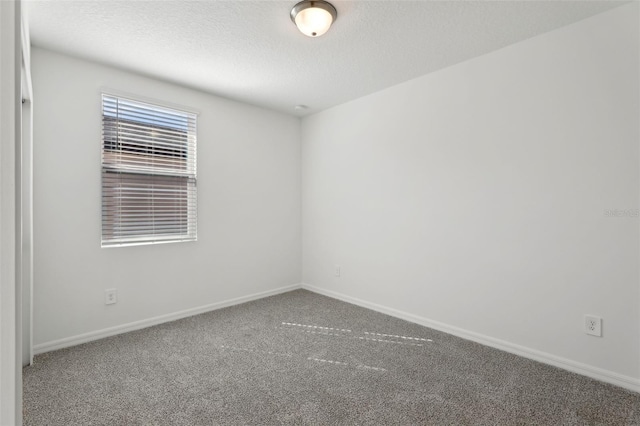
(148, 173)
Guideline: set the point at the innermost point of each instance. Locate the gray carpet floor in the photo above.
(301, 358)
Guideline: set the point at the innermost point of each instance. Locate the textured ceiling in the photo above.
(251, 51)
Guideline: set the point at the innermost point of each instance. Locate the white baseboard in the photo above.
(546, 358)
(124, 328)
(607, 376)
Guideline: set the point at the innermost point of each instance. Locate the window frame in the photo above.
(191, 207)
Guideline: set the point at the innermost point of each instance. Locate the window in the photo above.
(148, 173)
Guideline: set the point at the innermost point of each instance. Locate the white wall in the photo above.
(10, 294)
(475, 197)
(248, 206)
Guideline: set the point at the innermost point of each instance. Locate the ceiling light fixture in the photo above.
(313, 17)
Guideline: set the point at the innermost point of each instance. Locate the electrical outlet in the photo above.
(593, 325)
(337, 270)
(110, 296)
